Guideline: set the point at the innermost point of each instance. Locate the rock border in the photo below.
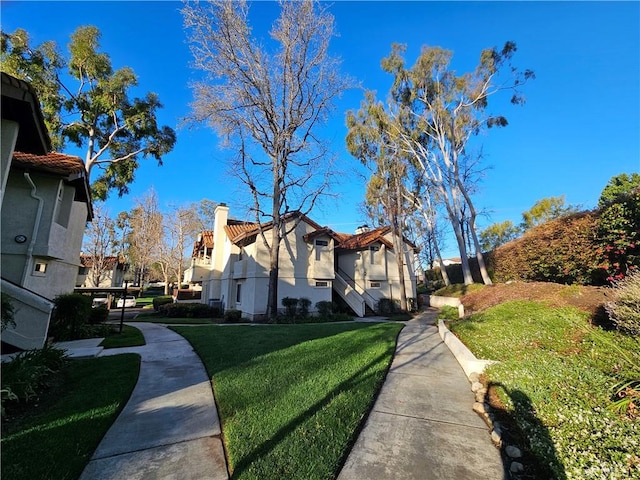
(473, 367)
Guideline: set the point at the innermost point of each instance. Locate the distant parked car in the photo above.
(99, 301)
(129, 301)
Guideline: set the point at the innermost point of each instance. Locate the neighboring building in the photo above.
(232, 265)
(45, 204)
(110, 275)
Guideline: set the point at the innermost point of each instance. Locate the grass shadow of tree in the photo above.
(522, 428)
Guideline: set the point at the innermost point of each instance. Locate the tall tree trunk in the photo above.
(397, 244)
(472, 227)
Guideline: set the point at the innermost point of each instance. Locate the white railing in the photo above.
(367, 297)
(348, 293)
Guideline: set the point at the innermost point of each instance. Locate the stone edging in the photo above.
(473, 368)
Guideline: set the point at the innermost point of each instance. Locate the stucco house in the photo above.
(232, 265)
(91, 276)
(45, 205)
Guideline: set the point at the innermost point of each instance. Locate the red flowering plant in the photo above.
(619, 226)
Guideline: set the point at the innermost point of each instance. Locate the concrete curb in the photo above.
(467, 360)
(439, 302)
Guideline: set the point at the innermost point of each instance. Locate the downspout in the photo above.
(36, 225)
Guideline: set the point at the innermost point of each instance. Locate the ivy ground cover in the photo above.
(556, 380)
(291, 397)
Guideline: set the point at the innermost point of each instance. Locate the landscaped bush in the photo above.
(163, 300)
(99, 315)
(448, 313)
(232, 316)
(325, 308)
(303, 307)
(7, 311)
(290, 306)
(387, 306)
(189, 310)
(30, 372)
(70, 317)
(624, 310)
(565, 250)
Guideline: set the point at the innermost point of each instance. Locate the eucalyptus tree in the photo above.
(90, 106)
(546, 209)
(268, 99)
(443, 111)
(368, 140)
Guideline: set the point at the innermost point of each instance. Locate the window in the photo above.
(39, 268)
(322, 284)
(375, 285)
(63, 205)
(320, 247)
(373, 254)
(83, 270)
(240, 254)
(239, 293)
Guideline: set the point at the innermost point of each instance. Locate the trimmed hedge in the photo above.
(565, 250)
(163, 300)
(189, 310)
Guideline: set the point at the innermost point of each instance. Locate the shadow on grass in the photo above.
(351, 383)
(250, 341)
(525, 430)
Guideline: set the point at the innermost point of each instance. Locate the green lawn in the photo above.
(130, 337)
(556, 378)
(291, 397)
(56, 438)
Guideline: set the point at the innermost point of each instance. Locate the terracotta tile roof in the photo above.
(51, 162)
(205, 241)
(238, 231)
(109, 262)
(365, 239)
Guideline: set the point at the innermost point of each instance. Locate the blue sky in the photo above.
(580, 126)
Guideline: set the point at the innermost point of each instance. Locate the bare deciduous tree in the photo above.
(99, 243)
(269, 105)
(146, 234)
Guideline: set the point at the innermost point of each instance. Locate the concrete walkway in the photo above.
(169, 429)
(422, 425)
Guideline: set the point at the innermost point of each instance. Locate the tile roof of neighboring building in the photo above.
(109, 262)
(365, 239)
(51, 162)
(239, 231)
(205, 240)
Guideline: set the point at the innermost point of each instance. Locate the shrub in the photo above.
(99, 315)
(624, 310)
(7, 311)
(325, 308)
(448, 313)
(30, 372)
(303, 307)
(70, 316)
(387, 306)
(290, 306)
(189, 310)
(232, 316)
(163, 300)
(564, 250)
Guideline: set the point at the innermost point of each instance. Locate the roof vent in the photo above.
(362, 229)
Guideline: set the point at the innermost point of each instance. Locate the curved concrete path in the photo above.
(422, 426)
(169, 429)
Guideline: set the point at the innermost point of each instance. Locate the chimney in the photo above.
(362, 229)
